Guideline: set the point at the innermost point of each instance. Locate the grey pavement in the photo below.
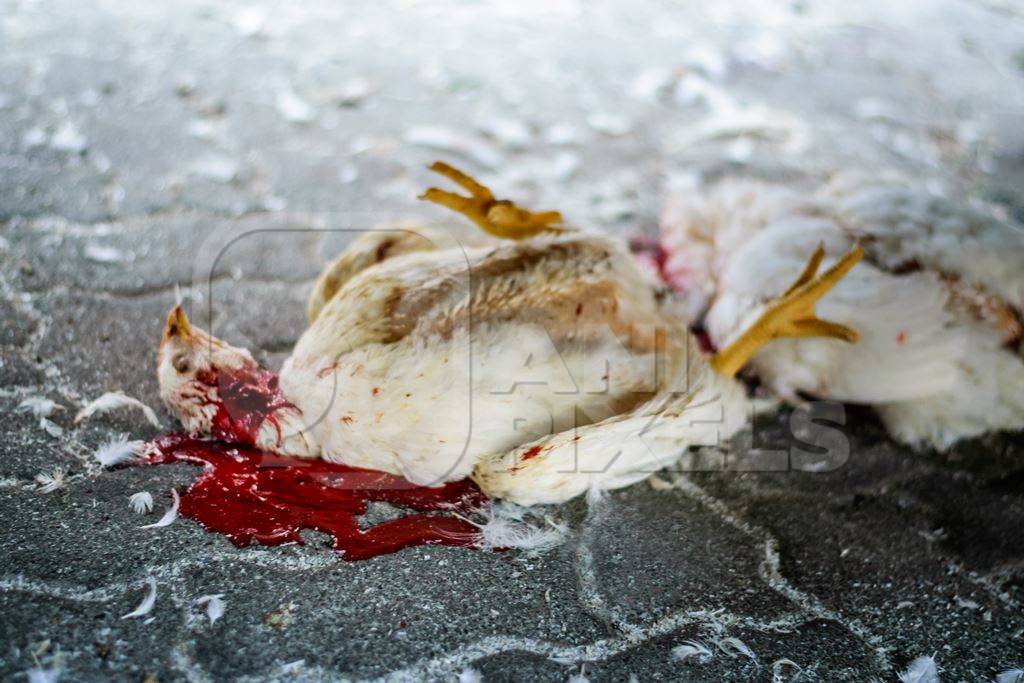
(138, 139)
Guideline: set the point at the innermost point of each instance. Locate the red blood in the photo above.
(704, 341)
(253, 496)
(248, 396)
(654, 253)
(530, 453)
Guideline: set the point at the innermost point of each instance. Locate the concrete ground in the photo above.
(137, 139)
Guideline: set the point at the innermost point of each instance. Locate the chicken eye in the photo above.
(181, 363)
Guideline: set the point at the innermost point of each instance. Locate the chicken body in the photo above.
(937, 302)
(541, 368)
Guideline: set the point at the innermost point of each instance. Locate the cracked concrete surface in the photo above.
(137, 140)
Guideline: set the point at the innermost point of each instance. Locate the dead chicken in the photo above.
(938, 302)
(541, 367)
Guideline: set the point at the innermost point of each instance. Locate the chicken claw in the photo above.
(498, 217)
(792, 313)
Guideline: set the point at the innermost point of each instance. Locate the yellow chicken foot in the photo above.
(792, 313)
(498, 217)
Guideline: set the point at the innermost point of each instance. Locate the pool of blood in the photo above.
(253, 496)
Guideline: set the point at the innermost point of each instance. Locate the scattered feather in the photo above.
(293, 108)
(35, 137)
(67, 139)
(215, 167)
(610, 124)
(141, 502)
(596, 498)
(966, 603)
(51, 481)
(293, 668)
(119, 450)
(348, 173)
(921, 670)
(506, 528)
(353, 91)
(214, 606)
(51, 428)
(41, 675)
(562, 134)
(1011, 676)
(651, 83)
(734, 647)
(470, 676)
(169, 516)
(39, 406)
(43, 408)
(99, 253)
(115, 400)
(778, 670)
(692, 649)
(146, 606)
(509, 133)
(250, 21)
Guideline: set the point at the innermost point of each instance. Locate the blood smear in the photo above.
(252, 496)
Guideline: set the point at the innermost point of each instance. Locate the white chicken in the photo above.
(938, 302)
(540, 367)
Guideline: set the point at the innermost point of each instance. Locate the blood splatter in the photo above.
(652, 255)
(651, 252)
(252, 496)
(530, 453)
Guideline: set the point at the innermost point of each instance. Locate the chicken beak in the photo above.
(177, 326)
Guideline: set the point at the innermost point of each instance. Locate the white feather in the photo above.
(169, 516)
(293, 668)
(214, 606)
(734, 647)
(597, 498)
(778, 668)
(1011, 676)
(692, 649)
(507, 528)
(39, 406)
(51, 481)
(118, 450)
(141, 502)
(41, 675)
(115, 400)
(51, 428)
(921, 670)
(470, 676)
(146, 606)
